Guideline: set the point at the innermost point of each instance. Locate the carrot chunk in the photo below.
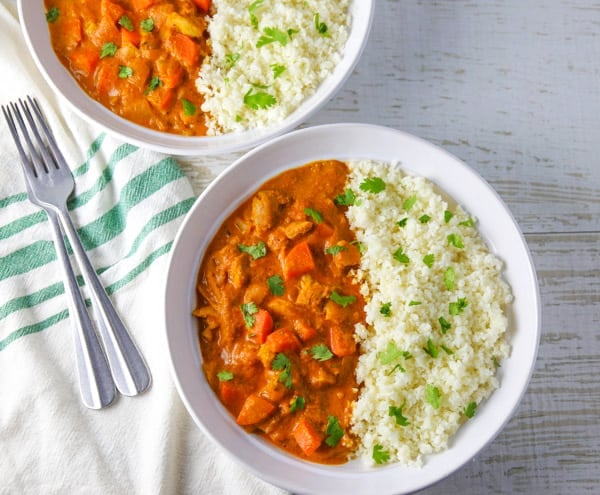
(254, 410)
(298, 261)
(184, 48)
(283, 340)
(341, 343)
(84, 60)
(263, 326)
(231, 394)
(203, 5)
(307, 437)
(132, 37)
(304, 331)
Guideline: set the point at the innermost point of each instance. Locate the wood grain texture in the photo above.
(513, 89)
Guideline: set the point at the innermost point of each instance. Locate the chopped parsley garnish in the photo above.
(225, 376)
(469, 222)
(346, 199)
(231, 59)
(108, 49)
(334, 431)
(276, 286)
(126, 23)
(424, 218)
(277, 70)
(380, 456)
(400, 256)
(321, 352)
(297, 403)
(456, 241)
(314, 214)
(414, 303)
(337, 249)
(447, 350)
(321, 27)
(449, 278)
(386, 309)
(154, 83)
(372, 184)
(403, 222)
(431, 349)
(396, 412)
(342, 300)
(52, 14)
(444, 324)
(248, 312)
(125, 72)
(272, 35)
(189, 108)
(147, 24)
(392, 353)
(256, 251)
(429, 259)
(448, 216)
(433, 396)
(470, 409)
(282, 363)
(254, 6)
(409, 203)
(259, 100)
(456, 308)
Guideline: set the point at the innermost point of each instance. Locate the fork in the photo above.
(51, 187)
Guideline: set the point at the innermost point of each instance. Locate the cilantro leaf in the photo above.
(147, 25)
(321, 27)
(396, 412)
(272, 35)
(424, 218)
(282, 363)
(380, 456)
(414, 303)
(448, 216)
(402, 223)
(321, 352)
(429, 259)
(189, 108)
(471, 409)
(108, 49)
(334, 431)
(314, 214)
(297, 403)
(360, 246)
(277, 70)
(256, 251)
(125, 72)
(409, 203)
(276, 286)
(372, 184)
(336, 249)
(433, 396)
(225, 376)
(456, 241)
(447, 350)
(400, 256)
(342, 300)
(444, 324)
(469, 222)
(126, 23)
(449, 278)
(248, 312)
(386, 309)
(231, 59)
(254, 6)
(396, 367)
(346, 199)
(154, 83)
(52, 14)
(456, 308)
(431, 349)
(259, 100)
(391, 353)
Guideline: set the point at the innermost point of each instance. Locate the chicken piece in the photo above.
(273, 390)
(256, 293)
(348, 255)
(283, 308)
(211, 320)
(311, 292)
(265, 209)
(237, 272)
(277, 242)
(316, 374)
(296, 229)
(335, 313)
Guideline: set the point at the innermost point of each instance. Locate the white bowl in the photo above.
(346, 141)
(35, 28)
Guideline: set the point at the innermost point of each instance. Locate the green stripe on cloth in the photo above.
(20, 224)
(26, 259)
(111, 289)
(30, 300)
(15, 198)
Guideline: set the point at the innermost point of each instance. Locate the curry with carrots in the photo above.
(139, 58)
(277, 309)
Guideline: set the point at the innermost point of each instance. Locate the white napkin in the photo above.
(128, 203)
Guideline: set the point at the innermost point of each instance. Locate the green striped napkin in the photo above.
(128, 204)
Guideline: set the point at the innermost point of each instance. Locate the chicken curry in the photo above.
(138, 58)
(277, 309)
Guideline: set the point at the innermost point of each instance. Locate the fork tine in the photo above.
(59, 159)
(37, 164)
(43, 149)
(15, 134)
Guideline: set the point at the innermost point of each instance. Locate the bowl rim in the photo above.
(36, 34)
(345, 479)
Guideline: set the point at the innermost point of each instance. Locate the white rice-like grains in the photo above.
(308, 58)
(476, 337)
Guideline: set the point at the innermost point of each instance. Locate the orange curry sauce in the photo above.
(277, 310)
(138, 58)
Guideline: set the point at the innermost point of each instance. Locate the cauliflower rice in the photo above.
(287, 71)
(408, 361)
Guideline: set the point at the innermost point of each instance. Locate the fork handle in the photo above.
(95, 382)
(129, 371)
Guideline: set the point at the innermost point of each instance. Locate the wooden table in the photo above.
(513, 89)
